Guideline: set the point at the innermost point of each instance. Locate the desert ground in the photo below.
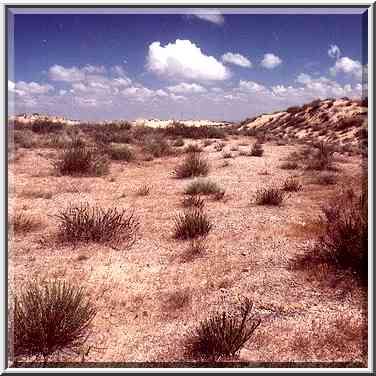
(152, 295)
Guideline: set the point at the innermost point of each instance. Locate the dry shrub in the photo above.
(343, 246)
(31, 193)
(157, 146)
(52, 317)
(178, 129)
(193, 148)
(95, 224)
(120, 152)
(292, 185)
(196, 248)
(219, 146)
(193, 165)
(23, 139)
(257, 150)
(202, 186)
(223, 334)
(193, 202)
(192, 224)
(22, 222)
(227, 155)
(46, 126)
(270, 196)
(321, 158)
(79, 159)
(289, 165)
(143, 190)
(177, 300)
(326, 178)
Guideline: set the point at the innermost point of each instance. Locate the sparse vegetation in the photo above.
(257, 150)
(193, 223)
(143, 190)
(325, 178)
(51, 317)
(120, 152)
(22, 222)
(202, 186)
(292, 185)
(193, 148)
(289, 165)
(193, 202)
(227, 155)
(193, 165)
(94, 224)
(223, 334)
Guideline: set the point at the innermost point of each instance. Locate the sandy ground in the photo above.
(137, 291)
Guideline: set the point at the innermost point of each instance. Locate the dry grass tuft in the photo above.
(193, 165)
(192, 224)
(144, 190)
(193, 201)
(204, 187)
(269, 196)
(292, 185)
(22, 222)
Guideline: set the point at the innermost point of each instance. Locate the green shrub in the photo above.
(191, 224)
(193, 165)
(94, 224)
(270, 196)
(224, 334)
(52, 317)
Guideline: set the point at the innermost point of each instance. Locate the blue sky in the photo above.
(204, 65)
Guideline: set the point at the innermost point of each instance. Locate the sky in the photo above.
(206, 64)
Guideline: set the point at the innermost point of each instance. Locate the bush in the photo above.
(22, 222)
(202, 186)
(326, 178)
(46, 126)
(289, 165)
(144, 190)
(50, 318)
(193, 202)
(193, 148)
(224, 334)
(79, 159)
(270, 196)
(292, 185)
(94, 224)
(23, 139)
(193, 165)
(219, 146)
(120, 152)
(192, 224)
(181, 130)
(227, 155)
(157, 146)
(257, 150)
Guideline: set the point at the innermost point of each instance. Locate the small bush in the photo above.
(85, 223)
(193, 148)
(227, 155)
(326, 178)
(21, 222)
(224, 334)
(202, 186)
(289, 165)
(119, 152)
(23, 139)
(144, 190)
(257, 150)
(191, 224)
(79, 159)
(219, 146)
(292, 185)
(46, 126)
(193, 165)
(193, 202)
(270, 196)
(157, 146)
(50, 318)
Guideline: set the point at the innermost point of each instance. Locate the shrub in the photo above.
(193, 148)
(257, 150)
(85, 223)
(79, 159)
(120, 152)
(326, 178)
(195, 249)
(23, 139)
(178, 142)
(227, 155)
(270, 196)
(144, 190)
(292, 185)
(322, 158)
(289, 165)
(193, 202)
(204, 131)
(202, 186)
(22, 222)
(219, 146)
(46, 126)
(50, 318)
(191, 224)
(193, 165)
(225, 333)
(157, 146)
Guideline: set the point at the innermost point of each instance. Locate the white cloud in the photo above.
(251, 87)
(347, 66)
(270, 61)
(62, 92)
(303, 78)
(212, 15)
(184, 60)
(79, 86)
(94, 69)
(334, 52)
(33, 87)
(185, 88)
(236, 59)
(121, 81)
(59, 73)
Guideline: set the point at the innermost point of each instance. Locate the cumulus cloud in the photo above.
(212, 15)
(33, 87)
(236, 59)
(251, 86)
(185, 88)
(184, 60)
(59, 73)
(347, 66)
(334, 52)
(303, 78)
(270, 61)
